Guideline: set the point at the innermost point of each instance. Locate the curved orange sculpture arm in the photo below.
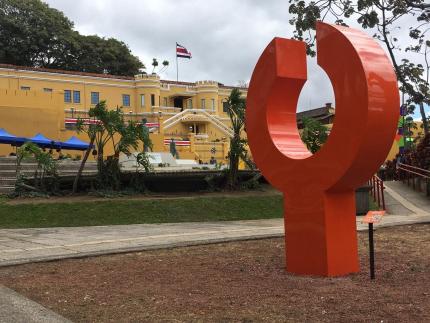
(319, 189)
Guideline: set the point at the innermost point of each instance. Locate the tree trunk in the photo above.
(81, 168)
(234, 162)
(28, 187)
(18, 169)
(117, 173)
(36, 177)
(232, 178)
(424, 119)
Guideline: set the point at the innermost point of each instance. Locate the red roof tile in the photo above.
(51, 70)
(109, 76)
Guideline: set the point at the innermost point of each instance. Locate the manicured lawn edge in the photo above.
(115, 212)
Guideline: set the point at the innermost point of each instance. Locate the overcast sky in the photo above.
(225, 37)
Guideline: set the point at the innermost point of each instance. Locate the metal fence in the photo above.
(377, 191)
(414, 176)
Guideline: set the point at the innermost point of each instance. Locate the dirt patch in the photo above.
(264, 190)
(239, 282)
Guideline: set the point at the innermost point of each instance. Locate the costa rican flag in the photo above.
(181, 51)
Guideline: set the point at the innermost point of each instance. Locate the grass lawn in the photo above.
(139, 211)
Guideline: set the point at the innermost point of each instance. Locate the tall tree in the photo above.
(384, 17)
(33, 34)
(99, 55)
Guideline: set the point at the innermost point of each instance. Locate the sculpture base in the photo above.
(320, 234)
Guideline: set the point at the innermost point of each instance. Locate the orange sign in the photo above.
(319, 189)
(373, 217)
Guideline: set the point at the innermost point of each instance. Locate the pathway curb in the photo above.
(137, 249)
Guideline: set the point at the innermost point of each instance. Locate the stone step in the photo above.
(29, 174)
(12, 172)
(34, 166)
(75, 168)
(75, 171)
(10, 177)
(30, 170)
(76, 163)
(6, 159)
(33, 161)
(13, 166)
(6, 189)
(7, 181)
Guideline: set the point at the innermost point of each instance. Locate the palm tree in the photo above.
(154, 64)
(143, 158)
(165, 66)
(236, 106)
(108, 127)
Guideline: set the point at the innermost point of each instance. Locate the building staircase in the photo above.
(65, 168)
(212, 119)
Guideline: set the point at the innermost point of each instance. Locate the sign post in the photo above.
(371, 252)
(370, 218)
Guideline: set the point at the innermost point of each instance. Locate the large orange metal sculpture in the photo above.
(319, 198)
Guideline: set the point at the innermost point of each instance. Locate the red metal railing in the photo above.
(409, 174)
(377, 191)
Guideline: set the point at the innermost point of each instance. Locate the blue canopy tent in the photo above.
(44, 142)
(7, 138)
(74, 144)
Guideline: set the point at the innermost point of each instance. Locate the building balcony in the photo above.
(186, 136)
(202, 136)
(156, 109)
(174, 110)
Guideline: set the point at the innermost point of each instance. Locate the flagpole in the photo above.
(177, 68)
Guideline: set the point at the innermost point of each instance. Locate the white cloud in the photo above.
(225, 37)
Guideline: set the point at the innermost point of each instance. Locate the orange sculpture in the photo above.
(319, 189)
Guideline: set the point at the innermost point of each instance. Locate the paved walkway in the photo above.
(407, 201)
(29, 245)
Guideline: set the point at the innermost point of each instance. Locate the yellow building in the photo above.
(49, 101)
